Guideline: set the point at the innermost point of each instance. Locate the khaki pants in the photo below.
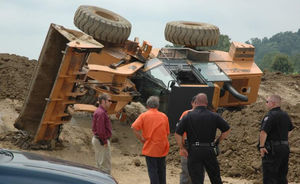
(102, 155)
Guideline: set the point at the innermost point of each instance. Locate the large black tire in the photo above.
(102, 24)
(192, 34)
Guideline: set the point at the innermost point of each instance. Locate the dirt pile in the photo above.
(239, 157)
(133, 110)
(15, 75)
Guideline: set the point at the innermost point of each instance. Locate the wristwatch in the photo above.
(261, 147)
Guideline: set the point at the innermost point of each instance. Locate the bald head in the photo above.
(201, 99)
(274, 101)
(275, 98)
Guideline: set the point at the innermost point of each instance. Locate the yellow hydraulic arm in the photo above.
(54, 81)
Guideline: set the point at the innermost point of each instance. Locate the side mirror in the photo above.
(172, 84)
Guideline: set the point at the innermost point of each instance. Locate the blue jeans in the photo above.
(156, 169)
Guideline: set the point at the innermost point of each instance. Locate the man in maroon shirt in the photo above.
(102, 132)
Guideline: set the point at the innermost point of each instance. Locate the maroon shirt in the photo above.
(101, 124)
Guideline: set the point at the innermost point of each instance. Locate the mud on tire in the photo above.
(192, 34)
(102, 24)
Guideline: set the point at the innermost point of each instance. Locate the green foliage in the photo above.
(284, 42)
(281, 63)
(266, 61)
(295, 59)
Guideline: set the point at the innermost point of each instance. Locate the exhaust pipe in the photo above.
(235, 93)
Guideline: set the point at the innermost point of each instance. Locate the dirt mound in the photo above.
(15, 75)
(239, 157)
(133, 110)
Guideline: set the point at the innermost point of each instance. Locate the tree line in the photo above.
(281, 52)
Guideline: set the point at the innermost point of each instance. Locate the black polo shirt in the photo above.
(201, 125)
(277, 124)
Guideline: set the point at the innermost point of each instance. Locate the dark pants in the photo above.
(156, 169)
(201, 158)
(184, 174)
(275, 165)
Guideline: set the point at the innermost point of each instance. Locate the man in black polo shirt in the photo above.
(273, 142)
(201, 126)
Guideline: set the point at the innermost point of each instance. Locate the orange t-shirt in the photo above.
(184, 135)
(155, 130)
(183, 114)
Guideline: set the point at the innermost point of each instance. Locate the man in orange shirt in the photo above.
(152, 129)
(184, 175)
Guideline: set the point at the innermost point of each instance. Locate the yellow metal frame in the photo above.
(63, 90)
(55, 110)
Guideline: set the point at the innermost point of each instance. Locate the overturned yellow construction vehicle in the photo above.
(74, 67)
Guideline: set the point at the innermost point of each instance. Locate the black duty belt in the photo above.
(201, 144)
(276, 143)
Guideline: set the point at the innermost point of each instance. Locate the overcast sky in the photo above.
(24, 23)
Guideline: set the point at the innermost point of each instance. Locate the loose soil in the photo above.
(239, 159)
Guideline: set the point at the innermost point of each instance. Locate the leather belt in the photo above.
(275, 143)
(201, 144)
